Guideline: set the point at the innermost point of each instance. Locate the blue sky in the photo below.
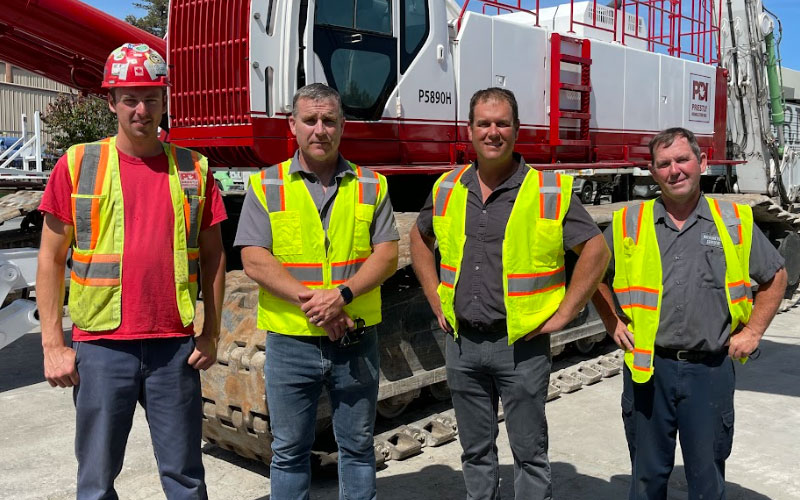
(787, 10)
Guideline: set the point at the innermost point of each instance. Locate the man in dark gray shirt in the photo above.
(691, 382)
(493, 356)
(318, 235)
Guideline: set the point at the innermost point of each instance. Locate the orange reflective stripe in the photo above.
(77, 175)
(94, 281)
(307, 273)
(642, 359)
(447, 275)
(450, 193)
(98, 257)
(283, 195)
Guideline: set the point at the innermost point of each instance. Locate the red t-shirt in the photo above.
(149, 306)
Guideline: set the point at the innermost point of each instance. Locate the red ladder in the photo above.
(584, 88)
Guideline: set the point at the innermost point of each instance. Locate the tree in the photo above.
(155, 18)
(74, 119)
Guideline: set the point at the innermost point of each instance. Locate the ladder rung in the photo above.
(575, 59)
(576, 87)
(571, 39)
(577, 115)
(574, 142)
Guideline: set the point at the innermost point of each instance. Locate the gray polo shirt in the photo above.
(694, 308)
(479, 291)
(254, 225)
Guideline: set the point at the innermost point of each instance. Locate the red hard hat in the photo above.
(135, 65)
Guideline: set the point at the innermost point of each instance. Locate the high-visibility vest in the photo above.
(638, 274)
(95, 292)
(298, 242)
(533, 248)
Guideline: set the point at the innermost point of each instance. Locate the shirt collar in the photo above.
(701, 211)
(342, 167)
(470, 177)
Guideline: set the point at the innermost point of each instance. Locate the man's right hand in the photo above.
(59, 366)
(338, 325)
(436, 306)
(622, 336)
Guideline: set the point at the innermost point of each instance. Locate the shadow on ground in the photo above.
(21, 363)
(441, 482)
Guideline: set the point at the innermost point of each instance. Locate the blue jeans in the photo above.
(296, 369)
(692, 400)
(482, 369)
(115, 375)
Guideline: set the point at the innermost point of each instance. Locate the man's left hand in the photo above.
(742, 344)
(205, 352)
(321, 305)
(553, 324)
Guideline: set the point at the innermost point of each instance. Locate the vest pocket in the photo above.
(361, 237)
(287, 238)
(549, 243)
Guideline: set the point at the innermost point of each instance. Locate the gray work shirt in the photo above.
(479, 291)
(254, 225)
(694, 307)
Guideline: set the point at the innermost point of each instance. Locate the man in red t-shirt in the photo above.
(132, 202)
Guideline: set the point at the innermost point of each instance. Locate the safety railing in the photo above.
(681, 28)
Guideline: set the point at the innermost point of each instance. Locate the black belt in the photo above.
(684, 355)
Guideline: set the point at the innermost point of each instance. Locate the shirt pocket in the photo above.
(712, 268)
(287, 237)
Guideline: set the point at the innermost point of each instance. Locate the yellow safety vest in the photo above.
(298, 242)
(533, 248)
(638, 277)
(95, 292)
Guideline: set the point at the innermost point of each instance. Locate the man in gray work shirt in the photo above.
(318, 235)
(502, 353)
(680, 376)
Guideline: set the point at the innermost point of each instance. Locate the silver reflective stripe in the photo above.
(732, 222)
(369, 190)
(183, 158)
(632, 222)
(83, 206)
(305, 274)
(272, 184)
(447, 275)
(444, 190)
(530, 285)
(642, 360)
(193, 266)
(341, 273)
(96, 270)
(551, 194)
(739, 292)
(638, 297)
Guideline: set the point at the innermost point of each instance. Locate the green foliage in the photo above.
(75, 119)
(154, 20)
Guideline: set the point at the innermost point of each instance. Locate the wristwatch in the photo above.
(347, 294)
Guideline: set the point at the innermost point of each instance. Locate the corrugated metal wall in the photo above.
(28, 93)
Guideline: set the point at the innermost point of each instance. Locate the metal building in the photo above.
(23, 92)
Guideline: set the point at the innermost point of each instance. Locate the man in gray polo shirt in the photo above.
(484, 362)
(691, 378)
(319, 237)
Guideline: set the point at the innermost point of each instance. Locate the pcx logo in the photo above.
(699, 91)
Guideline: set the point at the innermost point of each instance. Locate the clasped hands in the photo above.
(325, 308)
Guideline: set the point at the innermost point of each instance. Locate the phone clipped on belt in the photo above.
(352, 336)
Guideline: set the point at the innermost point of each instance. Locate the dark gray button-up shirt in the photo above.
(479, 291)
(694, 307)
(254, 225)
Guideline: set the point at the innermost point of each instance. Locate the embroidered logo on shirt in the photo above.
(710, 240)
(188, 180)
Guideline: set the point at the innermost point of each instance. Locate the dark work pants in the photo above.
(482, 367)
(115, 375)
(692, 400)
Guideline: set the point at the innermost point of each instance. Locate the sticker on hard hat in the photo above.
(155, 58)
(155, 70)
(142, 47)
(119, 54)
(120, 70)
(138, 71)
(188, 180)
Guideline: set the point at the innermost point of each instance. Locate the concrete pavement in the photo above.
(587, 445)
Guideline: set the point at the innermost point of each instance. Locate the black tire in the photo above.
(587, 193)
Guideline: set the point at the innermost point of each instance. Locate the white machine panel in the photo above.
(608, 66)
(641, 91)
(700, 86)
(671, 97)
(472, 55)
